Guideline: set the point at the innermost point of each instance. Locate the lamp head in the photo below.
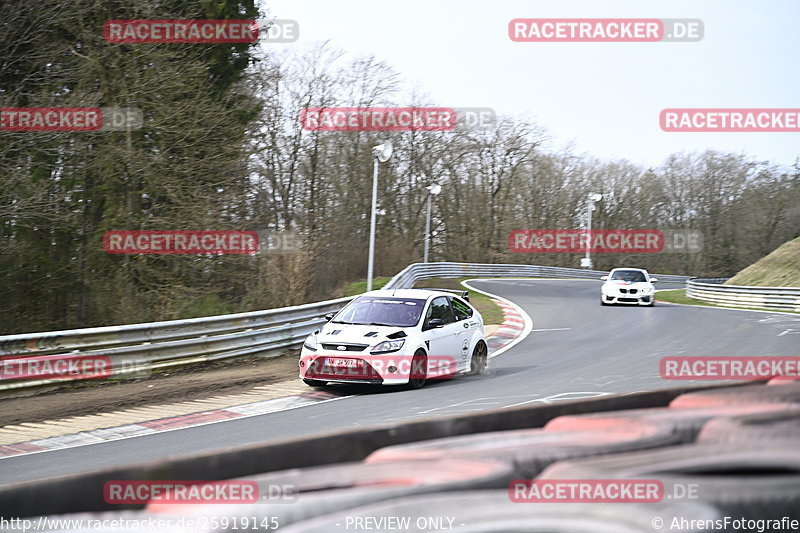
(383, 151)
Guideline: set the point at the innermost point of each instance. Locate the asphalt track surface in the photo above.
(577, 348)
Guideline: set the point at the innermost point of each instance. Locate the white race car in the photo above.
(628, 286)
(397, 337)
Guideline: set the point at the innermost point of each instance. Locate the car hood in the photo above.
(333, 333)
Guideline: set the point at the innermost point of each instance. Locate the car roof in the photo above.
(420, 294)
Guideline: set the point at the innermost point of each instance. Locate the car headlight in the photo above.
(389, 346)
(646, 289)
(311, 342)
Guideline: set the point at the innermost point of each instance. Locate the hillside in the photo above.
(781, 268)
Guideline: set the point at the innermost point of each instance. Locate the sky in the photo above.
(600, 98)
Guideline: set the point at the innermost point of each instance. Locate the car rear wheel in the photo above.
(315, 383)
(419, 370)
(479, 360)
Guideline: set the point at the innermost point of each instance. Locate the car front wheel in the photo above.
(419, 370)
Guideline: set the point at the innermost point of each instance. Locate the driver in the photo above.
(408, 315)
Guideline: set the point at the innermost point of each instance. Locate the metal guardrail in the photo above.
(713, 291)
(137, 349)
(420, 271)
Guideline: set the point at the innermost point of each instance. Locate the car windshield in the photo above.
(632, 276)
(367, 310)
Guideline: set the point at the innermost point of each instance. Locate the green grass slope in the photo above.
(781, 268)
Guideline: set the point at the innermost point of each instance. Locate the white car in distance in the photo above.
(632, 286)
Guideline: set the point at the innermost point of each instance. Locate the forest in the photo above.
(221, 146)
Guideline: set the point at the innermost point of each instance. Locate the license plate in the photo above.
(343, 363)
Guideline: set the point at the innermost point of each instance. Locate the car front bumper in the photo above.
(629, 299)
(374, 369)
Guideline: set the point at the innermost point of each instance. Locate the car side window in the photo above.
(462, 310)
(440, 308)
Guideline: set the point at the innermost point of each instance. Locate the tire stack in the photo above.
(724, 453)
(720, 455)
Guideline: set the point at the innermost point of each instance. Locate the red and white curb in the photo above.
(517, 324)
(512, 327)
(167, 424)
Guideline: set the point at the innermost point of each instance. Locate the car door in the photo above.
(444, 344)
(469, 328)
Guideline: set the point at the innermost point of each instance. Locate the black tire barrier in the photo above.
(783, 393)
(530, 451)
(752, 481)
(494, 512)
(686, 423)
(780, 426)
(321, 490)
(83, 491)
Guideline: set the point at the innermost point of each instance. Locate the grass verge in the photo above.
(678, 296)
(491, 312)
(359, 287)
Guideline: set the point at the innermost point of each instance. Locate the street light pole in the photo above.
(594, 197)
(427, 231)
(371, 263)
(432, 190)
(380, 153)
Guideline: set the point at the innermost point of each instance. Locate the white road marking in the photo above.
(528, 321)
(473, 401)
(564, 396)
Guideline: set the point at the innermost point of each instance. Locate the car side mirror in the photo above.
(653, 280)
(329, 316)
(435, 323)
(604, 278)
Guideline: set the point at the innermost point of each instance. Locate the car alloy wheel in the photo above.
(419, 368)
(479, 360)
